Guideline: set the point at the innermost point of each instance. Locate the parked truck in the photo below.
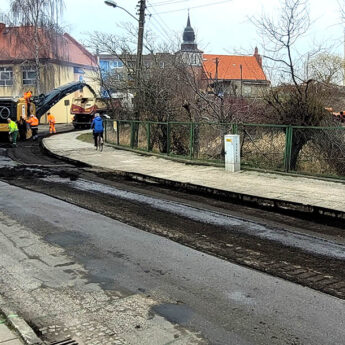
(84, 109)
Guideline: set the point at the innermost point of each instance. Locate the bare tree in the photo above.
(41, 18)
(327, 68)
(296, 101)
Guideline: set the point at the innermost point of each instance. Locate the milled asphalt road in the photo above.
(227, 303)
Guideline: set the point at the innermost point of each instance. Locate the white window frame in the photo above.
(25, 72)
(6, 81)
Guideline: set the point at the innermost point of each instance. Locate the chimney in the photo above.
(258, 56)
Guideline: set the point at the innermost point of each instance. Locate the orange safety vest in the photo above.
(27, 96)
(33, 121)
(51, 119)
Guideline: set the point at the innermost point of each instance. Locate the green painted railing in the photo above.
(309, 150)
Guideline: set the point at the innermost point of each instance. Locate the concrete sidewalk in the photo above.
(7, 337)
(290, 191)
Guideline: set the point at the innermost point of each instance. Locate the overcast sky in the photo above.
(222, 27)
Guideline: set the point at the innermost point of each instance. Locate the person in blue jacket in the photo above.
(98, 128)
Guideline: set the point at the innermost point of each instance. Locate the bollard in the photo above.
(232, 152)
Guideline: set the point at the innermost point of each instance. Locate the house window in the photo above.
(116, 64)
(29, 75)
(78, 70)
(6, 76)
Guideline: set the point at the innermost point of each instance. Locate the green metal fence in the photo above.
(310, 150)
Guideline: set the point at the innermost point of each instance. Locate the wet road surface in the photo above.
(301, 251)
(227, 303)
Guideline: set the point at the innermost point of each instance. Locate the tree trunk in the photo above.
(299, 139)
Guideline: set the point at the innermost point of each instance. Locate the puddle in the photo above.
(6, 162)
(241, 298)
(175, 313)
(67, 238)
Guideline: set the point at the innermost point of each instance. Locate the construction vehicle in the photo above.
(84, 109)
(21, 108)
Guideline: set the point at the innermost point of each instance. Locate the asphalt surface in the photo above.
(229, 304)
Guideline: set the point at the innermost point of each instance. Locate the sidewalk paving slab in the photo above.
(6, 334)
(300, 190)
(8, 337)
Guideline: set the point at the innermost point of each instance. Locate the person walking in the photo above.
(33, 122)
(98, 128)
(13, 132)
(22, 126)
(51, 121)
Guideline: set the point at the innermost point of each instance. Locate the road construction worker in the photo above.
(27, 96)
(51, 121)
(33, 122)
(22, 126)
(12, 131)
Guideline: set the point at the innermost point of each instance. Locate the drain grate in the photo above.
(68, 341)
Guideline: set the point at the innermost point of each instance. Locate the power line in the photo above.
(161, 23)
(159, 28)
(163, 3)
(188, 8)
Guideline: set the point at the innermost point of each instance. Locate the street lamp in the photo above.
(110, 3)
(141, 21)
(114, 5)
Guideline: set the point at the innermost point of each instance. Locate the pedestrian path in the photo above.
(8, 337)
(295, 189)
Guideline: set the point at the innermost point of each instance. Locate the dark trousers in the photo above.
(95, 136)
(34, 131)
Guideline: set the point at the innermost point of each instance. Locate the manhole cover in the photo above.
(68, 341)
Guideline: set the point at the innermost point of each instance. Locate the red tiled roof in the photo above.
(14, 45)
(229, 67)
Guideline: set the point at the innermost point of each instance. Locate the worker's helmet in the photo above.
(97, 115)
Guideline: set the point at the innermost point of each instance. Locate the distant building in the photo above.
(62, 60)
(235, 75)
(189, 52)
(232, 75)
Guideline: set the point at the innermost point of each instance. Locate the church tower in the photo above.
(189, 52)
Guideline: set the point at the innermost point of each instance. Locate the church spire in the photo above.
(188, 37)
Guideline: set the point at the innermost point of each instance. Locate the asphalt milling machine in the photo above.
(19, 109)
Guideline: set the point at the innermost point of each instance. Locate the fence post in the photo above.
(132, 134)
(191, 141)
(117, 132)
(288, 148)
(106, 130)
(148, 136)
(168, 138)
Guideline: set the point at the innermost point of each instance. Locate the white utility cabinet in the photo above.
(232, 152)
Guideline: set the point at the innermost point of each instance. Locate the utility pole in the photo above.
(138, 68)
(216, 75)
(241, 68)
(142, 7)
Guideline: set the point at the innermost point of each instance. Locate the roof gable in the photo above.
(16, 44)
(229, 67)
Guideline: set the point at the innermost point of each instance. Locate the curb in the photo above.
(25, 332)
(299, 210)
